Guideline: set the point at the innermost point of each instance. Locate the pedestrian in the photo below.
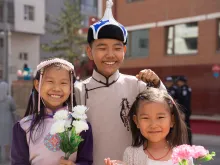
(107, 93)
(7, 119)
(52, 91)
(171, 87)
(184, 99)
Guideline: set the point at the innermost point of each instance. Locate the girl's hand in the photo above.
(66, 162)
(108, 161)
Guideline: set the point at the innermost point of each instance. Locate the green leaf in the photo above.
(207, 158)
(64, 141)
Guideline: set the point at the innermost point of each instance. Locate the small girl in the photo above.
(52, 91)
(156, 126)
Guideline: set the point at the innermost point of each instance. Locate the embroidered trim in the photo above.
(52, 142)
(125, 107)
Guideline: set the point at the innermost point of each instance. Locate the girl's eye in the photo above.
(161, 117)
(145, 118)
(64, 83)
(49, 81)
(101, 48)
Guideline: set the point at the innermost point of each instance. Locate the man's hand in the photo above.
(148, 76)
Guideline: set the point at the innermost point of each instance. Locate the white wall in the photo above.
(27, 26)
(23, 42)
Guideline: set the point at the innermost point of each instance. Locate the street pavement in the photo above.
(210, 142)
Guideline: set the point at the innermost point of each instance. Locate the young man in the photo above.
(109, 94)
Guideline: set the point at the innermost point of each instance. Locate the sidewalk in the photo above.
(206, 117)
(211, 143)
(210, 140)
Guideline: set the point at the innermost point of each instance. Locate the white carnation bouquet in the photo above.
(69, 126)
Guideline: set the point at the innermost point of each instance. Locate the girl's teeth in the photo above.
(55, 96)
(109, 63)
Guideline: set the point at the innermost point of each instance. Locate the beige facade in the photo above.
(27, 24)
(23, 43)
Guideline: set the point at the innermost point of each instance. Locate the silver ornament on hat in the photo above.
(108, 19)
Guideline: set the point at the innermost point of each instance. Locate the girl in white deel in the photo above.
(156, 126)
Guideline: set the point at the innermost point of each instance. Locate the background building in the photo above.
(175, 37)
(25, 23)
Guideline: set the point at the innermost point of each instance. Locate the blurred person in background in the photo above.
(7, 119)
(26, 72)
(171, 87)
(184, 99)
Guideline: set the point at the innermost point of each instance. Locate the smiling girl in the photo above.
(157, 127)
(52, 91)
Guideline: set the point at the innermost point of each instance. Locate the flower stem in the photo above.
(67, 155)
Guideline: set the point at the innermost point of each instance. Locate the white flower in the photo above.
(61, 115)
(58, 127)
(80, 126)
(79, 112)
(68, 123)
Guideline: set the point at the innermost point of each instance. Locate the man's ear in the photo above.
(135, 121)
(36, 84)
(172, 121)
(125, 49)
(89, 52)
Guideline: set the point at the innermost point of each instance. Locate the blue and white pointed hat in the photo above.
(107, 27)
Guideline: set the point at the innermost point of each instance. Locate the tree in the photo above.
(67, 26)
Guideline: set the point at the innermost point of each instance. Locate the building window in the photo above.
(28, 12)
(89, 7)
(10, 11)
(138, 43)
(182, 39)
(23, 56)
(218, 42)
(1, 11)
(1, 42)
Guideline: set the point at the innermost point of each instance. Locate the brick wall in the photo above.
(207, 54)
(197, 67)
(205, 88)
(148, 11)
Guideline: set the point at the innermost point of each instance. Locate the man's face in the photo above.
(180, 83)
(107, 54)
(168, 84)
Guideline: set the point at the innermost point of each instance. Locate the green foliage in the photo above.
(69, 142)
(207, 157)
(67, 26)
(183, 162)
